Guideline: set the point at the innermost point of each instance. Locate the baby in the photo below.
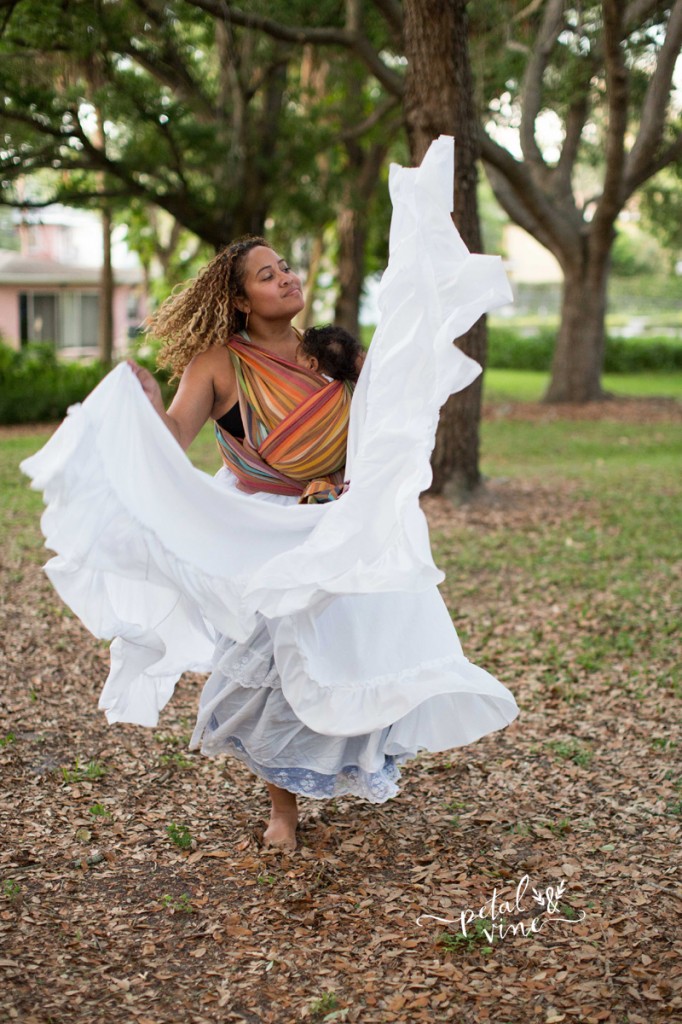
(331, 351)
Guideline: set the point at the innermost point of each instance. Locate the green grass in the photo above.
(600, 539)
(20, 507)
(204, 450)
(629, 472)
(599, 452)
(530, 385)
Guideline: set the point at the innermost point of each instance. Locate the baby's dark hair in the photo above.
(337, 352)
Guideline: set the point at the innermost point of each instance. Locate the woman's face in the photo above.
(272, 290)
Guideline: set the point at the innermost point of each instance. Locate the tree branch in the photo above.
(656, 100)
(526, 12)
(9, 5)
(373, 119)
(178, 80)
(66, 198)
(59, 133)
(515, 207)
(664, 158)
(393, 15)
(611, 200)
(170, 69)
(525, 201)
(531, 90)
(639, 10)
(353, 41)
(575, 122)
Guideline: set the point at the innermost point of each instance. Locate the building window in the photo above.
(66, 319)
(133, 305)
(80, 320)
(39, 318)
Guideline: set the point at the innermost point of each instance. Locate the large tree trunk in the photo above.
(439, 100)
(579, 352)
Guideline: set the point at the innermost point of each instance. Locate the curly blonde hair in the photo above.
(203, 312)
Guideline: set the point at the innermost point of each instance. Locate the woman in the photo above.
(246, 285)
(302, 575)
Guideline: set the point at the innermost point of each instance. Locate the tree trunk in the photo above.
(362, 176)
(455, 459)
(305, 317)
(350, 226)
(439, 99)
(106, 294)
(579, 351)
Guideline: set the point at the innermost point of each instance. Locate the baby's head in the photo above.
(332, 351)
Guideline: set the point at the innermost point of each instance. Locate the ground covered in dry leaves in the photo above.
(135, 887)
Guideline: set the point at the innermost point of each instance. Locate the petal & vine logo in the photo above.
(492, 917)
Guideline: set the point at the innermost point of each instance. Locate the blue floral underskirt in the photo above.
(376, 787)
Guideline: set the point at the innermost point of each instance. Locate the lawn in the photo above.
(530, 385)
(133, 885)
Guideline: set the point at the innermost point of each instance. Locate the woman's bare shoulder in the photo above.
(215, 356)
(214, 365)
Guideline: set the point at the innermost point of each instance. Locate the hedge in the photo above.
(36, 387)
(509, 350)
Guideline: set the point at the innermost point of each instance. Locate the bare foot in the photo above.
(281, 832)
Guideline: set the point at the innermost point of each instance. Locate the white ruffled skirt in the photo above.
(331, 654)
(361, 660)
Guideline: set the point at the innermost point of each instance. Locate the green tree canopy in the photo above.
(206, 119)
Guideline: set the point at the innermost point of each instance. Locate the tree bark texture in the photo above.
(579, 351)
(439, 99)
(351, 232)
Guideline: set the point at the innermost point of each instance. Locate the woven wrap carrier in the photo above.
(295, 426)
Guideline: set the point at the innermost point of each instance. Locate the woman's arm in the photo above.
(194, 400)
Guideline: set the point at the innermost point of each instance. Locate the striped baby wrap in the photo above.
(295, 426)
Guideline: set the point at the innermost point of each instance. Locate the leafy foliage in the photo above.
(510, 350)
(661, 208)
(217, 124)
(35, 386)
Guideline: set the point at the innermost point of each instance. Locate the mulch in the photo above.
(617, 410)
(104, 917)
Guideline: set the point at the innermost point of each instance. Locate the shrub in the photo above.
(629, 355)
(510, 350)
(35, 386)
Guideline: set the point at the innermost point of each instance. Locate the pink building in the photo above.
(49, 290)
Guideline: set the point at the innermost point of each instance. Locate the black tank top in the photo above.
(231, 421)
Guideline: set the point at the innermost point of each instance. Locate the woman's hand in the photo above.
(149, 385)
(193, 400)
